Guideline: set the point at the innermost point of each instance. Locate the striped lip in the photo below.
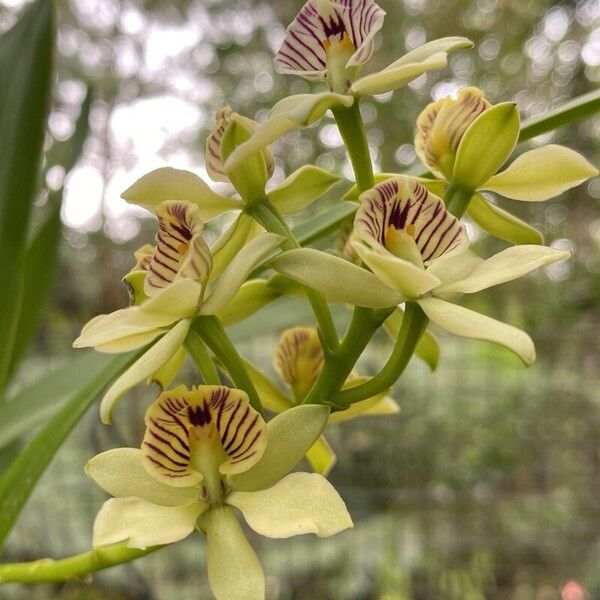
(404, 205)
(213, 157)
(441, 126)
(321, 24)
(184, 426)
(299, 357)
(180, 251)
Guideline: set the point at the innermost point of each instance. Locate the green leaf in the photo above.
(486, 145)
(502, 224)
(25, 76)
(18, 482)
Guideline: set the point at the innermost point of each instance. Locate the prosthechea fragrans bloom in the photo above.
(464, 141)
(171, 283)
(418, 251)
(207, 454)
(330, 41)
(299, 359)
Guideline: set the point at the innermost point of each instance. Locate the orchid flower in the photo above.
(249, 178)
(206, 452)
(466, 140)
(330, 41)
(418, 251)
(171, 283)
(299, 360)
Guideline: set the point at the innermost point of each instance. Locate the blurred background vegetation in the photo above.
(487, 483)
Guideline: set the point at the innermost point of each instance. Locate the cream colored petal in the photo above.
(234, 571)
(541, 174)
(299, 503)
(144, 367)
(467, 323)
(120, 473)
(143, 524)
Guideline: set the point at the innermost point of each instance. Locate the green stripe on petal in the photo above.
(300, 503)
(143, 524)
(337, 279)
(234, 571)
(289, 436)
(541, 174)
(505, 266)
(167, 183)
(467, 323)
(294, 112)
(502, 224)
(120, 473)
(486, 145)
(144, 367)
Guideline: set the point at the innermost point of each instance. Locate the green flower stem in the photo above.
(268, 216)
(457, 199)
(414, 324)
(210, 329)
(47, 570)
(198, 351)
(339, 364)
(352, 130)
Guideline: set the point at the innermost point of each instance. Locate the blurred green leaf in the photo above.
(47, 393)
(42, 251)
(25, 75)
(19, 480)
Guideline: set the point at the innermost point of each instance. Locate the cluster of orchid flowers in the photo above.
(207, 451)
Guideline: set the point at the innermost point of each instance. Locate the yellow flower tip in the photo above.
(326, 44)
(411, 230)
(346, 43)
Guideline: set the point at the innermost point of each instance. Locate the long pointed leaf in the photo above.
(25, 75)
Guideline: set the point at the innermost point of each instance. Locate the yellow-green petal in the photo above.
(541, 174)
(299, 503)
(253, 295)
(270, 394)
(321, 456)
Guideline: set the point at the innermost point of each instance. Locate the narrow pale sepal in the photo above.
(144, 367)
(502, 224)
(289, 436)
(120, 473)
(470, 324)
(321, 456)
(143, 524)
(167, 373)
(167, 183)
(180, 416)
(454, 267)
(486, 145)
(320, 27)
(507, 265)
(299, 503)
(541, 174)
(301, 189)
(294, 112)
(234, 571)
(236, 273)
(253, 295)
(428, 348)
(433, 55)
(337, 279)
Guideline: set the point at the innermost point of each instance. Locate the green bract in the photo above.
(205, 452)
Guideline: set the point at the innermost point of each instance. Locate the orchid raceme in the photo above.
(206, 453)
(330, 41)
(418, 252)
(172, 283)
(298, 360)
(466, 140)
